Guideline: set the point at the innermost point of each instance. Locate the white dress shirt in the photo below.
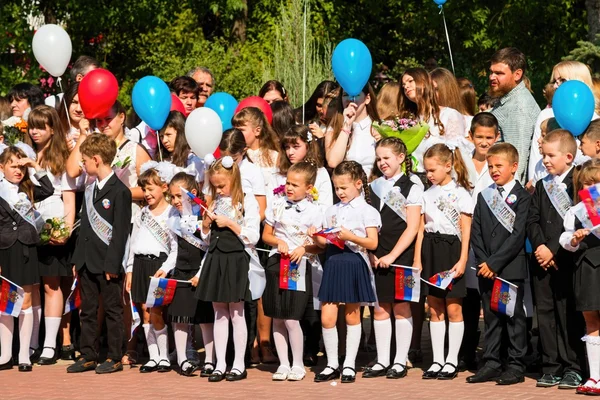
(435, 220)
(362, 145)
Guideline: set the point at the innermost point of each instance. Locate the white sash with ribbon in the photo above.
(21, 205)
(393, 198)
(101, 227)
(447, 204)
(503, 213)
(174, 224)
(156, 229)
(557, 195)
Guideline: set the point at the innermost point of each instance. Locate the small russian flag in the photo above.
(11, 297)
(292, 276)
(407, 283)
(74, 299)
(160, 292)
(442, 280)
(504, 297)
(331, 235)
(135, 317)
(195, 199)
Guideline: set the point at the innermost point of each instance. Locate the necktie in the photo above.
(501, 190)
(96, 191)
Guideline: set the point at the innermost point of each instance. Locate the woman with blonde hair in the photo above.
(387, 100)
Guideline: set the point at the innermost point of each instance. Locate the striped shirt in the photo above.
(517, 112)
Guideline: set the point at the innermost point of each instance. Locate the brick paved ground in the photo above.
(52, 382)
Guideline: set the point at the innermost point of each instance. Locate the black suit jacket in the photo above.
(504, 252)
(544, 224)
(91, 251)
(13, 227)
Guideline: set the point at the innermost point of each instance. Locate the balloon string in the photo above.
(304, 63)
(159, 146)
(447, 39)
(59, 80)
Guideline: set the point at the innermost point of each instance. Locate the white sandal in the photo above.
(296, 374)
(281, 374)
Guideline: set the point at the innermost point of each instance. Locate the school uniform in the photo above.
(269, 172)
(290, 221)
(442, 207)
(347, 275)
(499, 241)
(362, 145)
(153, 247)
(323, 186)
(560, 325)
(105, 224)
(392, 197)
(20, 225)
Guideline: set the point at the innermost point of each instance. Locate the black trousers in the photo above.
(92, 286)
(560, 325)
(471, 308)
(496, 323)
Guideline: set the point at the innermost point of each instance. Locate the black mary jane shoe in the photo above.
(231, 377)
(432, 374)
(163, 366)
(150, 366)
(35, 356)
(6, 365)
(334, 374)
(393, 374)
(189, 370)
(374, 373)
(348, 378)
(48, 360)
(447, 376)
(216, 376)
(25, 368)
(205, 372)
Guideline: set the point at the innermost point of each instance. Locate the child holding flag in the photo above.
(289, 272)
(20, 225)
(347, 275)
(443, 251)
(153, 253)
(552, 268)
(581, 237)
(498, 240)
(398, 199)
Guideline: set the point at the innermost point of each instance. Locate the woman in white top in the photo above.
(349, 136)
(71, 115)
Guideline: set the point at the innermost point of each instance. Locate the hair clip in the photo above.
(209, 159)
(309, 137)
(165, 170)
(189, 170)
(227, 162)
(451, 145)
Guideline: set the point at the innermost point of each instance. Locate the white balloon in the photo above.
(203, 131)
(52, 49)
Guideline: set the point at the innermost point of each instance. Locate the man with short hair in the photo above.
(82, 66)
(516, 109)
(206, 82)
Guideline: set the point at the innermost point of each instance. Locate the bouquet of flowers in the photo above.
(120, 164)
(279, 190)
(54, 228)
(13, 130)
(409, 130)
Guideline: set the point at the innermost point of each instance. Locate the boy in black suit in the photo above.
(98, 258)
(552, 267)
(498, 240)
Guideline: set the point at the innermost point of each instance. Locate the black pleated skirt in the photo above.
(345, 278)
(19, 264)
(144, 267)
(224, 277)
(53, 260)
(587, 282)
(186, 308)
(282, 303)
(440, 253)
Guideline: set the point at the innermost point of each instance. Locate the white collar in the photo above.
(100, 184)
(561, 178)
(394, 178)
(355, 202)
(448, 186)
(364, 124)
(508, 187)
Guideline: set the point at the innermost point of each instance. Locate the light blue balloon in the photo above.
(573, 105)
(224, 105)
(151, 99)
(439, 2)
(352, 64)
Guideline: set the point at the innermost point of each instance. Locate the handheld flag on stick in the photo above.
(195, 199)
(135, 317)
(331, 235)
(11, 297)
(160, 292)
(292, 276)
(590, 197)
(504, 297)
(441, 280)
(74, 299)
(407, 283)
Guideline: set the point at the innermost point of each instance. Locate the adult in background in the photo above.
(81, 67)
(516, 109)
(273, 91)
(187, 90)
(206, 83)
(23, 98)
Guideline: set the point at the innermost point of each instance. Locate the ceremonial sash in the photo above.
(394, 198)
(154, 227)
(503, 213)
(224, 207)
(24, 208)
(558, 197)
(446, 205)
(101, 227)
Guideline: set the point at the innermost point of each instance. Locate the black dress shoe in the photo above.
(109, 366)
(6, 365)
(163, 366)
(510, 377)
(334, 374)
(216, 376)
(67, 352)
(348, 378)
(25, 368)
(432, 374)
(374, 373)
(485, 374)
(446, 376)
(48, 360)
(393, 374)
(35, 356)
(150, 366)
(82, 365)
(187, 370)
(207, 370)
(231, 377)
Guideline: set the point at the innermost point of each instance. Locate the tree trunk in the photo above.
(593, 17)
(239, 25)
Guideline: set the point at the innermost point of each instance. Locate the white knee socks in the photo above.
(151, 343)
(52, 326)
(404, 331)
(25, 328)
(438, 334)
(592, 345)
(208, 340)
(455, 335)
(352, 343)
(162, 342)
(7, 324)
(180, 334)
(383, 340)
(330, 340)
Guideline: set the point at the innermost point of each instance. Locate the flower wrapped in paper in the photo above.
(409, 130)
(13, 130)
(55, 229)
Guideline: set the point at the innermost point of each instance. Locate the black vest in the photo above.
(224, 240)
(189, 257)
(589, 248)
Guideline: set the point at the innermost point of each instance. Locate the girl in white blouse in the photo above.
(444, 247)
(153, 252)
(298, 144)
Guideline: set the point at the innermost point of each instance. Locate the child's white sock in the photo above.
(330, 340)
(455, 335)
(153, 354)
(438, 334)
(208, 340)
(404, 330)
(7, 325)
(162, 341)
(180, 334)
(352, 344)
(280, 336)
(52, 326)
(592, 346)
(383, 339)
(25, 328)
(296, 338)
(221, 335)
(240, 335)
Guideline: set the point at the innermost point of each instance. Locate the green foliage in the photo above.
(587, 53)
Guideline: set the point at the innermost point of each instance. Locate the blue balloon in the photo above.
(224, 105)
(573, 105)
(151, 99)
(439, 2)
(352, 64)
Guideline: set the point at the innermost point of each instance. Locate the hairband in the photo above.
(166, 171)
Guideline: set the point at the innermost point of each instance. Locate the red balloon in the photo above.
(258, 102)
(177, 105)
(98, 91)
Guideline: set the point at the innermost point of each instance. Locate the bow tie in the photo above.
(291, 204)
